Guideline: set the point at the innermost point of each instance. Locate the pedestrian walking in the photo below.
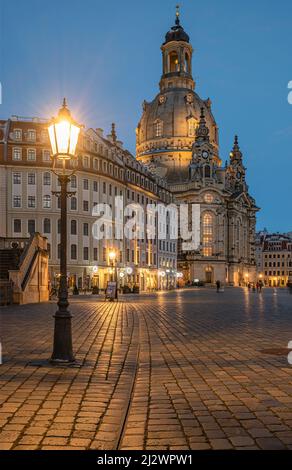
(218, 285)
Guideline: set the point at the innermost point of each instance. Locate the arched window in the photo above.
(192, 126)
(158, 128)
(208, 234)
(187, 63)
(73, 227)
(173, 62)
(47, 201)
(207, 171)
(47, 226)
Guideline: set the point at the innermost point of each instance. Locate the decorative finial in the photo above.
(177, 14)
(202, 130)
(113, 133)
(64, 112)
(236, 153)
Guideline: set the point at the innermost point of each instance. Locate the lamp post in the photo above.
(112, 256)
(63, 133)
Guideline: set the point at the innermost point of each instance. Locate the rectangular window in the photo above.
(85, 184)
(73, 251)
(31, 202)
(85, 253)
(95, 254)
(85, 206)
(17, 226)
(86, 162)
(16, 178)
(47, 179)
(47, 201)
(46, 156)
(16, 201)
(31, 155)
(31, 178)
(85, 230)
(17, 134)
(31, 226)
(95, 186)
(73, 203)
(31, 135)
(16, 154)
(73, 181)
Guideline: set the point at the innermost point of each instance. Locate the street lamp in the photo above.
(112, 257)
(63, 133)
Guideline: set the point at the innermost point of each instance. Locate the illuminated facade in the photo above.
(177, 138)
(105, 170)
(274, 259)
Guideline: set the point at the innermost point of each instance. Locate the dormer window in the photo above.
(31, 135)
(17, 134)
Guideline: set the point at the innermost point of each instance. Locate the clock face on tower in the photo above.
(205, 154)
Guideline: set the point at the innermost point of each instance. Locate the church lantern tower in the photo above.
(167, 128)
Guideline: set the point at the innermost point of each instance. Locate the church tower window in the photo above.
(208, 234)
(207, 171)
(158, 128)
(192, 126)
(173, 62)
(187, 63)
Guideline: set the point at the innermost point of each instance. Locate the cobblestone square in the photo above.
(188, 369)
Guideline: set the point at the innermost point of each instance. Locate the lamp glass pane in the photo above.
(63, 136)
(73, 139)
(52, 139)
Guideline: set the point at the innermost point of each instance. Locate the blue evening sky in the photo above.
(104, 56)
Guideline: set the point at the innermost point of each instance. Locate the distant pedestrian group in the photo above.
(256, 287)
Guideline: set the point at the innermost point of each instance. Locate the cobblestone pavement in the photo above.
(190, 369)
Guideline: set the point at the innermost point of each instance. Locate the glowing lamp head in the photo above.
(112, 255)
(64, 133)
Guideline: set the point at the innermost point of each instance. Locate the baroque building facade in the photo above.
(105, 170)
(274, 258)
(177, 138)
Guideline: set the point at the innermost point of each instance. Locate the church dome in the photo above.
(167, 129)
(173, 114)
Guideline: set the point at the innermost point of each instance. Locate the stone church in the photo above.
(178, 139)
